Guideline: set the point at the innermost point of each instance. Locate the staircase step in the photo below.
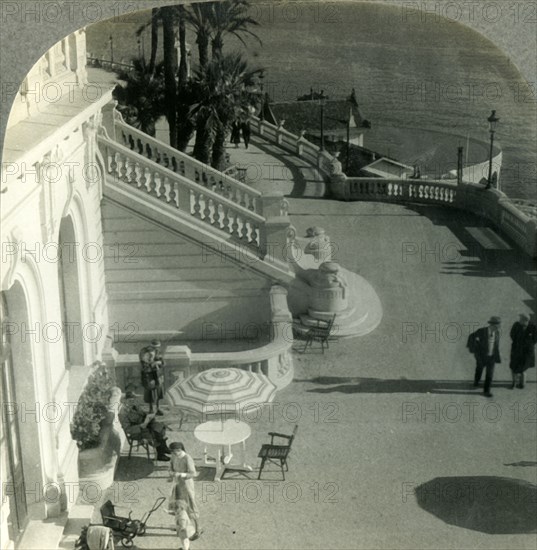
(44, 534)
(79, 516)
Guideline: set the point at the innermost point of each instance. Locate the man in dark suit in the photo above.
(137, 423)
(484, 343)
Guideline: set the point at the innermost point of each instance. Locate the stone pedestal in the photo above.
(329, 291)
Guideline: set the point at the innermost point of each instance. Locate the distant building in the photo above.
(339, 117)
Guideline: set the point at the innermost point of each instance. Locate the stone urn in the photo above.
(318, 245)
(329, 290)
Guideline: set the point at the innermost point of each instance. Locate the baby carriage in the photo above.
(126, 528)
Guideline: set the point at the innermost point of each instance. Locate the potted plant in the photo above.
(93, 409)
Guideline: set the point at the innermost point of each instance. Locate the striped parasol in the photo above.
(221, 390)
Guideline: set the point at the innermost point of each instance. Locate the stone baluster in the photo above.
(216, 215)
(154, 184)
(132, 177)
(235, 225)
(207, 210)
(244, 230)
(142, 180)
(172, 194)
(124, 170)
(148, 181)
(197, 206)
(113, 165)
(225, 218)
(164, 184)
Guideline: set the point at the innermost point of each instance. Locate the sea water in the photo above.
(425, 88)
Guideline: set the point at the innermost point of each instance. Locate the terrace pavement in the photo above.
(395, 449)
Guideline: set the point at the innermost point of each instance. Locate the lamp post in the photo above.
(348, 146)
(111, 40)
(322, 100)
(261, 85)
(493, 121)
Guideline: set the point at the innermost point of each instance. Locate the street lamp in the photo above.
(493, 121)
(322, 101)
(111, 40)
(261, 85)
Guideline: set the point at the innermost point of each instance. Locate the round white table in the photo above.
(224, 434)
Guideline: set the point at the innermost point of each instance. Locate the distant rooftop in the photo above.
(304, 114)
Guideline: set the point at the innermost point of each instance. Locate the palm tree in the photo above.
(199, 16)
(155, 20)
(141, 96)
(229, 17)
(224, 91)
(170, 83)
(183, 70)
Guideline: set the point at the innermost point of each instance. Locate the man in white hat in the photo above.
(484, 343)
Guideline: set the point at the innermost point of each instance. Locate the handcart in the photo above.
(126, 528)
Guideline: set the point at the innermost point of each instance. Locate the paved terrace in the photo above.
(382, 414)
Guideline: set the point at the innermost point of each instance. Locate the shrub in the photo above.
(92, 408)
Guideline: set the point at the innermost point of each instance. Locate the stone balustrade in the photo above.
(186, 166)
(490, 204)
(273, 359)
(127, 168)
(292, 143)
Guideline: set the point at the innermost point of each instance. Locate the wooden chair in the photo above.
(276, 453)
(142, 440)
(319, 333)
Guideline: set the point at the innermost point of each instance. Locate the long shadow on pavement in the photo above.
(495, 256)
(299, 181)
(489, 504)
(380, 385)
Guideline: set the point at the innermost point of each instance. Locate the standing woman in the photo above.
(524, 338)
(182, 473)
(151, 378)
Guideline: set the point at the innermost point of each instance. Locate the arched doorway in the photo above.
(14, 488)
(69, 292)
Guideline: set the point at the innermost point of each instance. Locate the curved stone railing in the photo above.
(186, 166)
(298, 145)
(273, 359)
(488, 203)
(127, 168)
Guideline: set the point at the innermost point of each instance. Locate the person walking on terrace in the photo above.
(152, 378)
(523, 338)
(182, 473)
(236, 134)
(246, 132)
(484, 343)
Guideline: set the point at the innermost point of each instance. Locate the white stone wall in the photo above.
(49, 188)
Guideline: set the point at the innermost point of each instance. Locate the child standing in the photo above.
(183, 524)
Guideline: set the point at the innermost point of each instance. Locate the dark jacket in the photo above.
(523, 347)
(478, 344)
